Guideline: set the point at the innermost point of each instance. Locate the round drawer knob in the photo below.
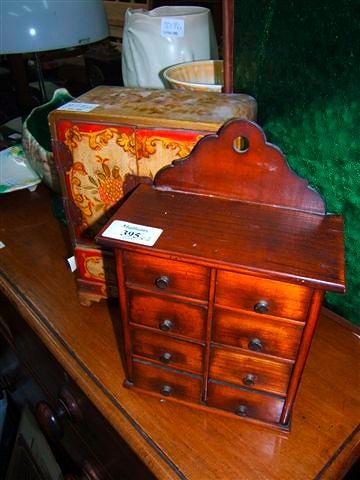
(261, 307)
(166, 390)
(249, 379)
(166, 325)
(49, 421)
(255, 344)
(166, 357)
(242, 411)
(162, 282)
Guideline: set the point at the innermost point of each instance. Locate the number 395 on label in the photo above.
(133, 233)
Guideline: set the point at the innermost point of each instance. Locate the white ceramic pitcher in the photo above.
(164, 36)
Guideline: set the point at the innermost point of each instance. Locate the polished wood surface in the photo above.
(225, 244)
(176, 441)
(251, 170)
(298, 247)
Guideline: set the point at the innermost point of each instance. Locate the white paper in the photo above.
(133, 233)
(172, 27)
(78, 107)
(72, 263)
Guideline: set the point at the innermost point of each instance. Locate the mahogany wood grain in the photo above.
(167, 383)
(228, 48)
(175, 441)
(272, 336)
(244, 291)
(209, 328)
(183, 278)
(245, 403)
(257, 174)
(167, 351)
(250, 371)
(287, 245)
(303, 352)
(119, 256)
(152, 310)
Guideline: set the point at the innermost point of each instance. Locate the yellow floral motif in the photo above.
(127, 142)
(72, 137)
(97, 140)
(96, 266)
(147, 146)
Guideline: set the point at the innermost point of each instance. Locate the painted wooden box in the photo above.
(117, 138)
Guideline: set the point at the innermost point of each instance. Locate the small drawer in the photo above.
(167, 276)
(249, 371)
(167, 351)
(257, 333)
(166, 383)
(268, 297)
(167, 315)
(245, 404)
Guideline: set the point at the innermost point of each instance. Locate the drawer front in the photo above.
(57, 386)
(249, 371)
(167, 351)
(94, 264)
(256, 333)
(167, 383)
(167, 276)
(266, 296)
(244, 403)
(167, 315)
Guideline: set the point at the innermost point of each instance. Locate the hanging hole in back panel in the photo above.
(241, 144)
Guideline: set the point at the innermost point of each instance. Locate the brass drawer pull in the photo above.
(242, 411)
(166, 325)
(261, 307)
(255, 344)
(166, 357)
(249, 379)
(166, 390)
(162, 282)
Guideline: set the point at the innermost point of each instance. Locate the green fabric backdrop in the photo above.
(300, 60)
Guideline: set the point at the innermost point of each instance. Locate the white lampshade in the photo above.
(39, 25)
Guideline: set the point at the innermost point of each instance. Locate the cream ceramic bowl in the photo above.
(202, 75)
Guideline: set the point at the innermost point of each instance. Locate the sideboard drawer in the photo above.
(250, 371)
(167, 351)
(269, 297)
(244, 403)
(167, 383)
(167, 315)
(82, 419)
(167, 276)
(257, 333)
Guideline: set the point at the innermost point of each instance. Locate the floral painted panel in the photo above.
(101, 158)
(156, 148)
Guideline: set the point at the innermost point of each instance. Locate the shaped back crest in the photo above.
(257, 174)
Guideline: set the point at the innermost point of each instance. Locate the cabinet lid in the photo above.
(162, 108)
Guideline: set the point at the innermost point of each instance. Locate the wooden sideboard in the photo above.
(146, 434)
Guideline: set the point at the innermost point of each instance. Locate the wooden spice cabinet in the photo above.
(221, 311)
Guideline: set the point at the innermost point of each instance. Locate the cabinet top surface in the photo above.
(297, 246)
(166, 108)
(175, 441)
